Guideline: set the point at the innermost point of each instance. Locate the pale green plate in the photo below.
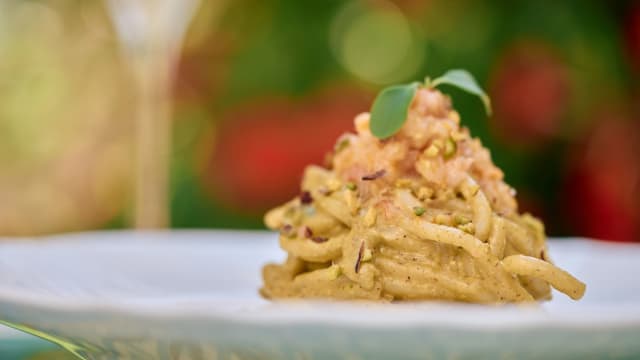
(193, 295)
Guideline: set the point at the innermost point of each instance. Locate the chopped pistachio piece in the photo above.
(351, 201)
(418, 210)
(453, 115)
(470, 191)
(333, 184)
(432, 151)
(370, 217)
(403, 183)
(445, 194)
(341, 145)
(293, 216)
(367, 255)
(461, 220)
(351, 186)
(334, 271)
(450, 148)
(443, 219)
(290, 211)
(468, 228)
(458, 135)
(424, 193)
(309, 210)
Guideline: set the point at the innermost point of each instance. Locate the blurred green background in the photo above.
(262, 88)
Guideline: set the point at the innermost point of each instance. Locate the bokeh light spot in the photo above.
(375, 44)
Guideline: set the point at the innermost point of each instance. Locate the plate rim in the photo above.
(285, 312)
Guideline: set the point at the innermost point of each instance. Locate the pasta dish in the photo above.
(423, 214)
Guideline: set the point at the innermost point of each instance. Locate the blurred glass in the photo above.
(150, 32)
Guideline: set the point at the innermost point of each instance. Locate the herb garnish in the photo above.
(391, 107)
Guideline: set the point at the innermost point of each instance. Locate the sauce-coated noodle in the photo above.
(403, 219)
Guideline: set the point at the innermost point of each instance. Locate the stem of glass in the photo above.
(153, 70)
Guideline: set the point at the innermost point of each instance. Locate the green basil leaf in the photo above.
(390, 108)
(464, 80)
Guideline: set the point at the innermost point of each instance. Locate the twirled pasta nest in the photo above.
(422, 215)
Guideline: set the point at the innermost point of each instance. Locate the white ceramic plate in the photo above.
(193, 295)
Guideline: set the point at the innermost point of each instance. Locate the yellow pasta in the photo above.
(423, 215)
(537, 268)
(497, 241)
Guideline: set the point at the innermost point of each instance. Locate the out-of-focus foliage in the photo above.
(264, 87)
